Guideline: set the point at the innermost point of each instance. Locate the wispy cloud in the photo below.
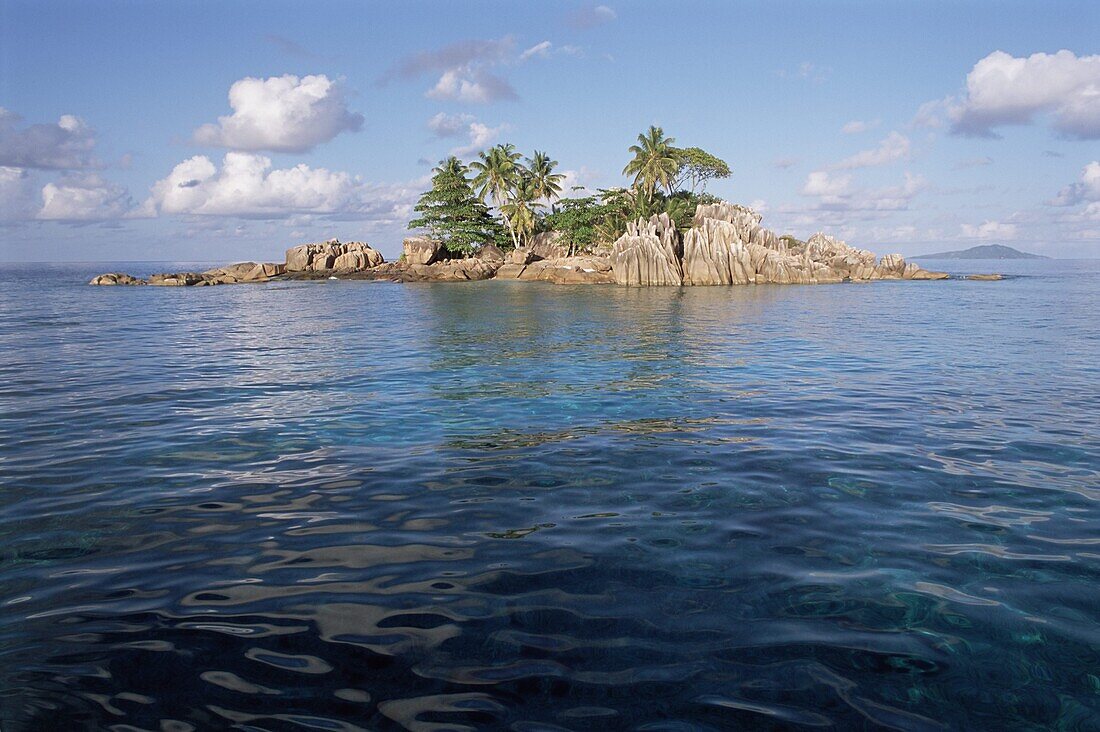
(591, 16)
(478, 134)
(463, 69)
(857, 126)
(806, 70)
(893, 147)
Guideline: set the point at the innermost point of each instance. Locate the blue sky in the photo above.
(908, 127)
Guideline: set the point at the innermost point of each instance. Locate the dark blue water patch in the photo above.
(368, 506)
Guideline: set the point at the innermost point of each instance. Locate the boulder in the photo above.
(116, 278)
(422, 250)
(521, 255)
(177, 279)
(237, 272)
(890, 267)
(548, 245)
(322, 256)
(490, 252)
(297, 258)
(368, 256)
(509, 271)
(448, 270)
(648, 253)
(923, 274)
(579, 270)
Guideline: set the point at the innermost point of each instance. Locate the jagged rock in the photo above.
(648, 253)
(422, 250)
(744, 218)
(548, 245)
(714, 254)
(890, 267)
(116, 278)
(323, 256)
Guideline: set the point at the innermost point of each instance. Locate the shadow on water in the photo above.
(367, 506)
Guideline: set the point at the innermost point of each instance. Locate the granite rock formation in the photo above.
(649, 253)
(548, 245)
(586, 270)
(726, 245)
(332, 254)
(421, 250)
(229, 275)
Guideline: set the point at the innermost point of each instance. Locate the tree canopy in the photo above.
(697, 167)
(654, 162)
(452, 213)
(509, 192)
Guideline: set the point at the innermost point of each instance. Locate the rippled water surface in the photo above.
(345, 506)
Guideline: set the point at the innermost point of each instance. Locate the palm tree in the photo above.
(452, 165)
(655, 162)
(498, 173)
(519, 212)
(547, 183)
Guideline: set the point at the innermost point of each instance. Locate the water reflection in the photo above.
(368, 506)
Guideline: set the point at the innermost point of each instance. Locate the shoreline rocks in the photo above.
(726, 245)
(332, 254)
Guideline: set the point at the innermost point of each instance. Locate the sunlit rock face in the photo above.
(332, 254)
(421, 250)
(548, 245)
(649, 253)
(726, 245)
(232, 274)
(579, 270)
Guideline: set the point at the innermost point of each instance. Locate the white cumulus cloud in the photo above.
(989, 230)
(893, 147)
(248, 186)
(282, 113)
(17, 195)
(1086, 190)
(83, 198)
(478, 134)
(463, 70)
(1002, 89)
(821, 184)
(64, 145)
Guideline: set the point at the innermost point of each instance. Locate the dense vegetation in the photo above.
(525, 196)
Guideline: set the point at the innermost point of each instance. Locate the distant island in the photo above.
(487, 220)
(985, 251)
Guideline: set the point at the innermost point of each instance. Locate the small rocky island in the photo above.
(725, 245)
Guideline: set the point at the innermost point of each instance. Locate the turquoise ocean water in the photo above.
(353, 505)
